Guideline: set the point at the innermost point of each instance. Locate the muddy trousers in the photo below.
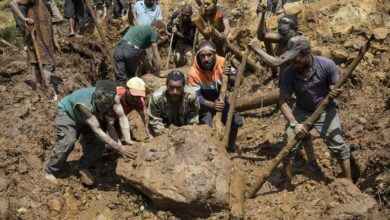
(68, 132)
(329, 128)
(127, 60)
(206, 117)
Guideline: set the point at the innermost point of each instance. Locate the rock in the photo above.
(381, 33)
(183, 169)
(4, 208)
(341, 30)
(13, 68)
(339, 55)
(380, 75)
(3, 88)
(353, 204)
(362, 120)
(369, 57)
(56, 205)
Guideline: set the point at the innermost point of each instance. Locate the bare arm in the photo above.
(157, 59)
(93, 123)
(14, 6)
(270, 60)
(285, 108)
(123, 121)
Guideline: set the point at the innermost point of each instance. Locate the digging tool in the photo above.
(308, 123)
(201, 25)
(233, 101)
(194, 45)
(268, 46)
(44, 83)
(100, 31)
(169, 51)
(218, 125)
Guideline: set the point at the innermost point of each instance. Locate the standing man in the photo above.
(176, 103)
(39, 24)
(287, 28)
(205, 76)
(132, 97)
(147, 11)
(74, 11)
(130, 49)
(311, 79)
(77, 114)
(184, 30)
(218, 18)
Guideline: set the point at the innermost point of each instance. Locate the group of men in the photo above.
(99, 113)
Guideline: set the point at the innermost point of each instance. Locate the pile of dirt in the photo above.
(27, 131)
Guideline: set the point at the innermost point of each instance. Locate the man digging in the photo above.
(311, 78)
(77, 114)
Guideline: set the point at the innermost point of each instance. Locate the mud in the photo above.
(335, 28)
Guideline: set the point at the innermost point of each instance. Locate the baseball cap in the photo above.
(136, 86)
(295, 46)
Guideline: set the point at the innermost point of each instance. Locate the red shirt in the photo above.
(139, 107)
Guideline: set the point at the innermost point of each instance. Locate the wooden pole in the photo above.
(218, 125)
(8, 44)
(169, 51)
(257, 100)
(44, 82)
(307, 124)
(233, 101)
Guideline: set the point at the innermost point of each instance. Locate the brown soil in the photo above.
(335, 29)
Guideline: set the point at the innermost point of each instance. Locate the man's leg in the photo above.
(20, 29)
(92, 152)
(329, 128)
(127, 61)
(69, 13)
(206, 116)
(66, 135)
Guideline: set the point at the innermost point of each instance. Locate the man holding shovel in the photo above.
(181, 26)
(205, 76)
(40, 40)
(311, 78)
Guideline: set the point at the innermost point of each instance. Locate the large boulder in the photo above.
(184, 169)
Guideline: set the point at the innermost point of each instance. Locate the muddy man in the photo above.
(311, 78)
(77, 114)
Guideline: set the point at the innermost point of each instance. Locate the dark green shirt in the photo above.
(141, 36)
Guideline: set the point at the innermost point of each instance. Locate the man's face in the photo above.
(103, 102)
(186, 15)
(209, 6)
(300, 63)
(207, 59)
(149, 3)
(175, 90)
(132, 100)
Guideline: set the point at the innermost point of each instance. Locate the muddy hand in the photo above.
(218, 105)
(334, 93)
(29, 21)
(300, 130)
(128, 151)
(260, 8)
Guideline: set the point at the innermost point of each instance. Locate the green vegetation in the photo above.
(8, 33)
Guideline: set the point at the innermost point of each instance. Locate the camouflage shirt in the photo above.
(162, 113)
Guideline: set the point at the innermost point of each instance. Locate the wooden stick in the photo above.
(307, 124)
(100, 31)
(233, 101)
(194, 45)
(38, 57)
(8, 44)
(218, 125)
(169, 51)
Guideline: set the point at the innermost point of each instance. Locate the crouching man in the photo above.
(176, 103)
(77, 114)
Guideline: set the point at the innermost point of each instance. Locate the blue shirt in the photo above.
(82, 97)
(144, 15)
(312, 90)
